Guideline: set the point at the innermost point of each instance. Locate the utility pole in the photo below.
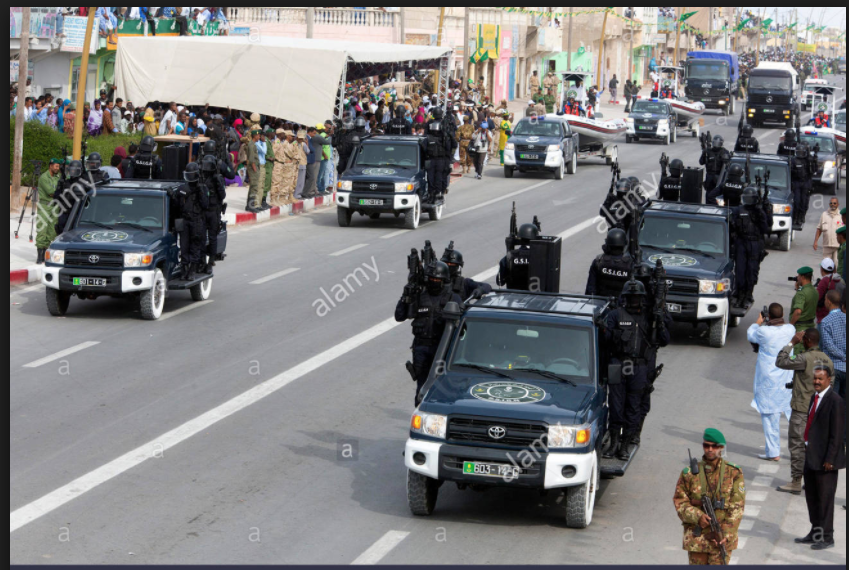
(631, 52)
(760, 33)
(737, 20)
(20, 111)
(467, 38)
(81, 86)
(439, 32)
(402, 17)
(678, 37)
(601, 49)
(310, 22)
(569, 52)
(710, 27)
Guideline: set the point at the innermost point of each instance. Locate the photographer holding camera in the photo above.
(804, 307)
(772, 397)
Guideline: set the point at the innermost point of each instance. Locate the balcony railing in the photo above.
(323, 16)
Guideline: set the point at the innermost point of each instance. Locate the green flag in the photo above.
(809, 28)
(822, 29)
(766, 23)
(742, 25)
(687, 16)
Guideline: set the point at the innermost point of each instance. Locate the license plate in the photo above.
(673, 308)
(646, 128)
(89, 282)
(529, 156)
(371, 202)
(705, 100)
(508, 472)
(769, 110)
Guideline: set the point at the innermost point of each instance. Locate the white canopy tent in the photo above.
(296, 79)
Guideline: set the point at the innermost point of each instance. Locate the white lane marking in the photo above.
(769, 469)
(741, 542)
(765, 135)
(61, 354)
(395, 234)
(275, 276)
(349, 250)
(495, 200)
(52, 501)
(185, 309)
(756, 496)
(763, 482)
(747, 524)
(381, 548)
(753, 511)
(21, 291)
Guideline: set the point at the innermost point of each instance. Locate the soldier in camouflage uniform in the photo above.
(722, 481)
(464, 137)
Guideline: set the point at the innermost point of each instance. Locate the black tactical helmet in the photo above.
(789, 135)
(748, 131)
(676, 167)
(616, 239)
(635, 182)
(438, 114)
(209, 147)
(528, 231)
(718, 142)
(623, 187)
(94, 162)
(360, 123)
(147, 145)
(634, 288)
(736, 172)
(75, 169)
(192, 173)
(438, 271)
(453, 257)
(209, 164)
(750, 196)
(802, 151)
(400, 111)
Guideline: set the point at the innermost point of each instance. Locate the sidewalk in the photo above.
(610, 111)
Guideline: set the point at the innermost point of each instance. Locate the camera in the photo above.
(792, 279)
(789, 386)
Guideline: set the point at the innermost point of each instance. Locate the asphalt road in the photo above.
(213, 436)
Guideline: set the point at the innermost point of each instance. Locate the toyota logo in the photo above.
(531, 147)
(94, 259)
(707, 91)
(670, 283)
(497, 432)
(769, 99)
(372, 187)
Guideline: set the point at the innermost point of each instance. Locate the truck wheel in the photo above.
(580, 501)
(674, 135)
(732, 107)
(508, 172)
(628, 139)
(832, 188)
(573, 165)
(374, 216)
(719, 331)
(421, 494)
(785, 241)
(667, 140)
(734, 322)
(153, 301)
(202, 291)
(344, 215)
(413, 216)
(57, 302)
(436, 214)
(559, 173)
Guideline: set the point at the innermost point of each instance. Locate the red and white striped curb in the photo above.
(33, 274)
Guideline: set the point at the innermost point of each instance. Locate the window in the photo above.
(779, 177)
(375, 155)
(667, 232)
(117, 211)
(826, 145)
(649, 107)
(538, 128)
(771, 83)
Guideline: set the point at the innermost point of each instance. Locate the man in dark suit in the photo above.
(825, 457)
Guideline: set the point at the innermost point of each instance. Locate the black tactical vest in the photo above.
(670, 189)
(635, 336)
(613, 272)
(143, 166)
(733, 193)
(429, 323)
(519, 270)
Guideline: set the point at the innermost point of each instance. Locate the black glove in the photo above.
(478, 293)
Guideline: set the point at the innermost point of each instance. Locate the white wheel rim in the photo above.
(416, 214)
(439, 212)
(725, 326)
(592, 489)
(206, 288)
(158, 294)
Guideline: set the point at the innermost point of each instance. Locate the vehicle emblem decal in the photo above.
(497, 432)
(648, 115)
(508, 393)
(770, 99)
(707, 91)
(378, 172)
(94, 259)
(104, 237)
(572, 93)
(671, 260)
(533, 139)
(372, 186)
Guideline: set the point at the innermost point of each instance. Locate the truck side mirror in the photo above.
(614, 374)
(452, 311)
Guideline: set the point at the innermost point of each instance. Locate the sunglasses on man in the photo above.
(710, 446)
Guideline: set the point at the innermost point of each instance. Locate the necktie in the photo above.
(811, 416)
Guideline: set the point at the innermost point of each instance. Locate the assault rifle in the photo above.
(616, 173)
(660, 287)
(705, 140)
(428, 255)
(664, 165)
(709, 507)
(514, 225)
(415, 277)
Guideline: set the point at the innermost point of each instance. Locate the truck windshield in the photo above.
(826, 145)
(689, 234)
(771, 83)
(779, 177)
(649, 107)
(512, 347)
(707, 71)
(114, 211)
(377, 155)
(537, 128)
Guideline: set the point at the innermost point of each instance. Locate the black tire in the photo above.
(202, 291)
(580, 502)
(785, 241)
(572, 168)
(57, 302)
(508, 172)
(628, 139)
(436, 214)
(413, 216)
(719, 332)
(422, 493)
(344, 215)
(152, 302)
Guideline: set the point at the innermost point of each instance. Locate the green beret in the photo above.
(842, 230)
(57, 161)
(256, 132)
(843, 212)
(805, 271)
(714, 436)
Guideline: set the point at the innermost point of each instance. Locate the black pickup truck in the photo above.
(772, 97)
(121, 241)
(652, 119)
(520, 402)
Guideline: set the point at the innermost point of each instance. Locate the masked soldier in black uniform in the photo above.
(732, 190)
(612, 270)
(425, 309)
(802, 179)
(217, 193)
(788, 147)
(68, 193)
(747, 142)
(463, 286)
(399, 125)
(714, 159)
(630, 330)
(192, 204)
(145, 165)
(345, 146)
(515, 268)
(438, 149)
(92, 166)
(669, 188)
(750, 225)
(620, 209)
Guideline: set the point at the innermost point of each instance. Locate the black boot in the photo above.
(207, 270)
(40, 259)
(750, 298)
(615, 436)
(637, 439)
(186, 272)
(265, 205)
(624, 452)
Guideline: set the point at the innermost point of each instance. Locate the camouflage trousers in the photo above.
(708, 558)
(283, 181)
(467, 161)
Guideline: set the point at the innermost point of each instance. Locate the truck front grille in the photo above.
(374, 187)
(95, 259)
(684, 287)
(763, 100)
(476, 430)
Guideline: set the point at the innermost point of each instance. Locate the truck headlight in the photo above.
(663, 122)
(707, 287)
(629, 120)
(404, 187)
(510, 146)
(137, 259)
(722, 102)
(829, 164)
(568, 437)
(55, 256)
(781, 209)
(553, 148)
(345, 185)
(431, 425)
